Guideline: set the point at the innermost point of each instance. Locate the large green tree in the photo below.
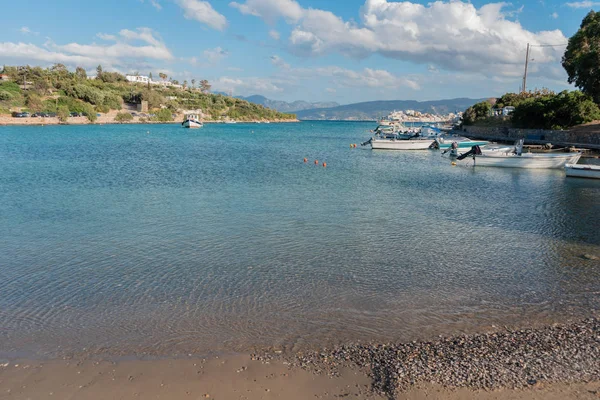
(582, 57)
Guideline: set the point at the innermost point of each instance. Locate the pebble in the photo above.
(509, 359)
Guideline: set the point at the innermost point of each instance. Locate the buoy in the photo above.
(316, 162)
(305, 159)
(453, 163)
(324, 164)
(351, 145)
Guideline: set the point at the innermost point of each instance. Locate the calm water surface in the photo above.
(157, 240)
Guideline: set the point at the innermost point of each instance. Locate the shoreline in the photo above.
(7, 120)
(558, 361)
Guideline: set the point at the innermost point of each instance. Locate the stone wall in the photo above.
(578, 137)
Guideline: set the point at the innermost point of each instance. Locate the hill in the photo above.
(373, 110)
(58, 90)
(284, 106)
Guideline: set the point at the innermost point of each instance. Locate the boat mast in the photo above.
(524, 88)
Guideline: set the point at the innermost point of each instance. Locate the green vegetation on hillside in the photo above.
(536, 110)
(37, 89)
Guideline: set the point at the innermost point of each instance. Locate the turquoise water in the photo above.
(152, 239)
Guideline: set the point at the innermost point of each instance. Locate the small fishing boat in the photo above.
(515, 158)
(445, 142)
(583, 171)
(192, 121)
(400, 144)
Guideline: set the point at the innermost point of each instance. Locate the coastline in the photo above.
(550, 362)
(7, 120)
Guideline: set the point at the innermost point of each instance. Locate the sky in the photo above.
(314, 50)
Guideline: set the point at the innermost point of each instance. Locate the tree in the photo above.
(34, 102)
(556, 111)
(99, 72)
(62, 113)
(582, 57)
(193, 83)
(184, 84)
(162, 76)
(476, 112)
(205, 86)
(150, 75)
(80, 72)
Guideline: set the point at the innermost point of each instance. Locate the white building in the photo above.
(137, 78)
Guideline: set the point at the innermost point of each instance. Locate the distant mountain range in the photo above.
(370, 110)
(284, 106)
(373, 110)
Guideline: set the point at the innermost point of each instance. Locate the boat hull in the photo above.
(463, 145)
(382, 144)
(583, 171)
(528, 160)
(188, 123)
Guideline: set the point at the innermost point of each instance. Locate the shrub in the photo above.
(5, 96)
(102, 109)
(123, 117)
(556, 111)
(63, 113)
(163, 115)
(89, 112)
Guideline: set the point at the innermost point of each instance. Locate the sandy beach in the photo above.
(553, 362)
(231, 377)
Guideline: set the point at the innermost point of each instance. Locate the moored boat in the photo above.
(402, 144)
(445, 142)
(515, 158)
(583, 171)
(192, 121)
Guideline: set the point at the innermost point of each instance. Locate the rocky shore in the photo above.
(512, 359)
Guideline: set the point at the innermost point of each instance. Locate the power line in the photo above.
(548, 45)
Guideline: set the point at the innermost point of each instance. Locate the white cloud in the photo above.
(203, 12)
(236, 69)
(105, 36)
(123, 53)
(453, 35)
(154, 4)
(271, 10)
(249, 85)
(583, 4)
(274, 34)
(330, 90)
(26, 31)
(215, 55)
(278, 62)
(368, 77)
(554, 15)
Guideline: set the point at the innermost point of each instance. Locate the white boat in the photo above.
(583, 171)
(515, 158)
(445, 142)
(402, 144)
(192, 121)
(230, 121)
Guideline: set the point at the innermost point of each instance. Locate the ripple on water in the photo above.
(129, 243)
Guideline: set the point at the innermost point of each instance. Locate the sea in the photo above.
(153, 240)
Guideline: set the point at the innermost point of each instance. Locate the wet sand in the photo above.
(230, 377)
(553, 362)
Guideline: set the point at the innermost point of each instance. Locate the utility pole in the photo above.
(524, 88)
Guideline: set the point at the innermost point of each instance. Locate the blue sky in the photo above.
(315, 50)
